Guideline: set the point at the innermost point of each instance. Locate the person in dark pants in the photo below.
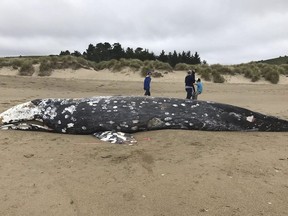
(189, 84)
(147, 82)
(193, 80)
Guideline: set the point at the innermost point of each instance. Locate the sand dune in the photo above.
(129, 75)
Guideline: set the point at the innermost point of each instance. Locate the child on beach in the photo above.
(199, 88)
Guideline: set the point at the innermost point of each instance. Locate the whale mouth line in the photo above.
(26, 125)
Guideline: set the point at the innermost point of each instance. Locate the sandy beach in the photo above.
(168, 172)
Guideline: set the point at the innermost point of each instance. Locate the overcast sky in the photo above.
(221, 31)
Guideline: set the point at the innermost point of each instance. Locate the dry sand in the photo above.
(169, 172)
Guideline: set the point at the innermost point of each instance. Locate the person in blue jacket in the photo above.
(147, 82)
(199, 88)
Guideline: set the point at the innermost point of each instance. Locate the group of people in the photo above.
(189, 85)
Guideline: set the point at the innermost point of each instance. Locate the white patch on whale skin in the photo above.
(59, 122)
(51, 112)
(124, 124)
(168, 119)
(144, 102)
(84, 128)
(71, 109)
(194, 106)
(25, 111)
(183, 104)
(93, 103)
(250, 118)
(70, 125)
(134, 128)
(135, 121)
(175, 105)
(38, 119)
(131, 107)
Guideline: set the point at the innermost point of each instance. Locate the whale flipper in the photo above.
(115, 137)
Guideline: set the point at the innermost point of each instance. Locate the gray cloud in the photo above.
(221, 31)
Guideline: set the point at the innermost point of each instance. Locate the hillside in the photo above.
(276, 61)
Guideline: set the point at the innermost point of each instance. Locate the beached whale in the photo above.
(114, 118)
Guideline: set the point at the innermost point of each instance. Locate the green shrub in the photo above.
(74, 65)
(136, 64)
(16, 63)
(283, 69)
(205, 73)
(182, 67)
(255, 77)
(92, 64)
(26, 69)
(35, 61)
(280, 70)
(157, 74)
(124, 62)
(221, 69)
(45, 68)
(266, 69)
(118, 66)
(112, 63)
(101, 65)
(162, 66)
(272, 76)
(248, 73)
(238, 70)
(217, 77)
(83, 62)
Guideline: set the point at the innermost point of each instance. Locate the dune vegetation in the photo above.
(214, 72)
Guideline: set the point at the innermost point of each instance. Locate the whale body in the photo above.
(122, 115)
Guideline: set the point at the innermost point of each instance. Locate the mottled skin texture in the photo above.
(132, 114)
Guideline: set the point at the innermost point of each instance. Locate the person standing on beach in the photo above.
(199, 88)
(193, 80)
(189, 84)
(147, 82)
